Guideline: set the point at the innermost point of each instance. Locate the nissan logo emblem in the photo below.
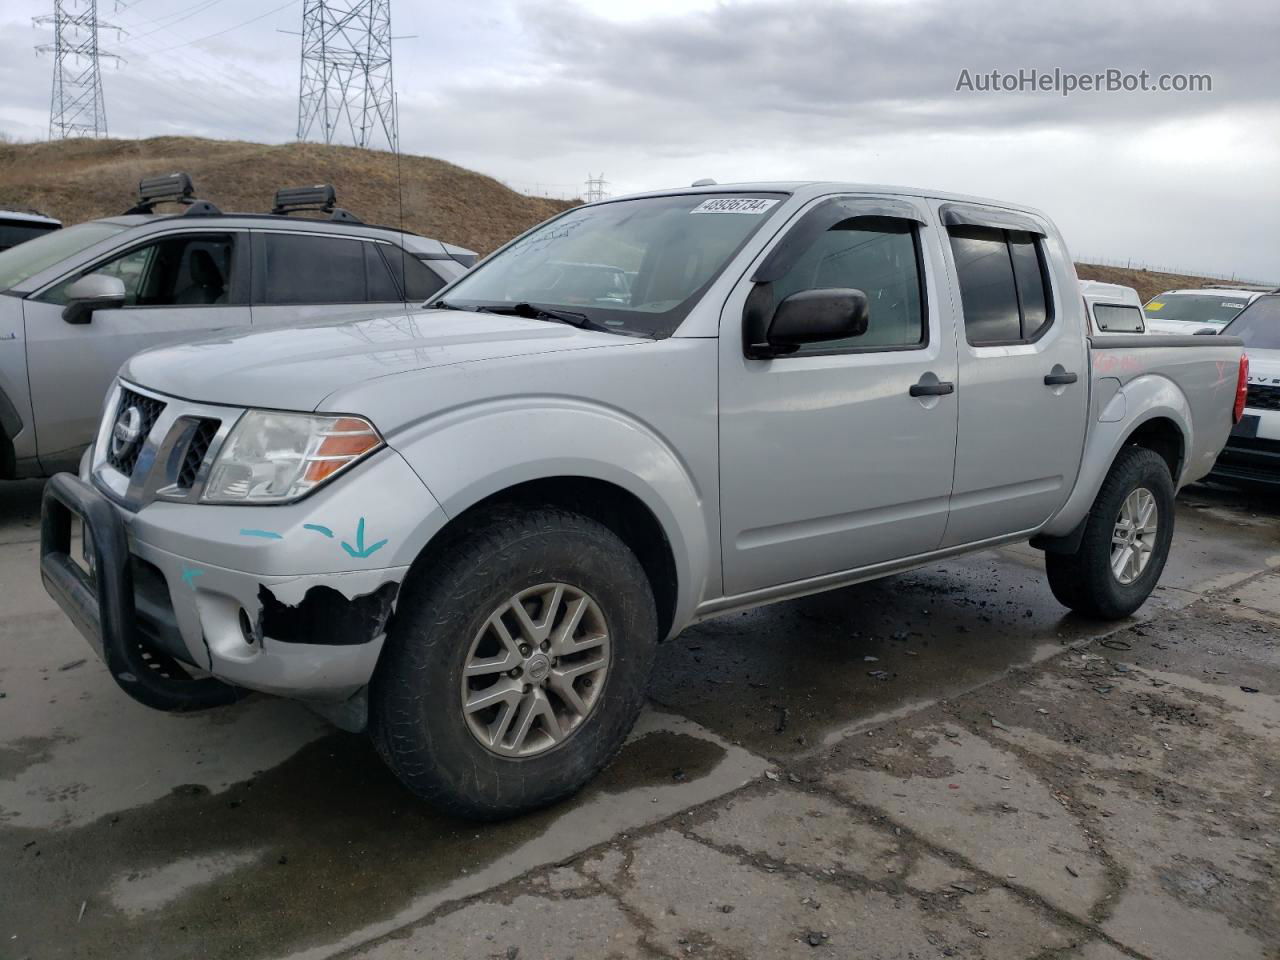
(126, 432)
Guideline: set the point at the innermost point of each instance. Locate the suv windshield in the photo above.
(1259, 325)
(634, 266)
(28, 259)
(1216, 308)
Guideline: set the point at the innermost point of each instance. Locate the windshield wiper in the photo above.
(443, 305)
(531, 311)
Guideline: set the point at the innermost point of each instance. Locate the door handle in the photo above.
(931, 389)
(1059, 379)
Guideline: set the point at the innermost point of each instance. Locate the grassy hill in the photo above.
(77, 180)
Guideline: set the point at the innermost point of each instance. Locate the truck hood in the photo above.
(296, 367)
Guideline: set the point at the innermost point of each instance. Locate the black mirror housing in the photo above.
(811, 316)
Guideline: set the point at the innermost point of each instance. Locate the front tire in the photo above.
(516, 664)
(1126, 540)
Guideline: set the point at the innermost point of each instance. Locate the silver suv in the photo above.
(76, 303)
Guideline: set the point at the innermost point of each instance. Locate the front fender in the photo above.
(1141, 400)
(477, 450)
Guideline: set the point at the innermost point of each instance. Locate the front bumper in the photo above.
(313, 636)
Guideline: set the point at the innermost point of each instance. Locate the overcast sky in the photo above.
(655, 93)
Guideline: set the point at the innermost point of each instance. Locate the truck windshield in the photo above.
(27, 259)
(1195, 307)
(633, 266)
(1259, 325)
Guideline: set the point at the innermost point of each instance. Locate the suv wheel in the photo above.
(1126, 540)
(516, 664)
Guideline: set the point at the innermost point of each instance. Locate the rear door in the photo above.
(1023, 372)
(828, 462)
(177, 287)
(303, 276)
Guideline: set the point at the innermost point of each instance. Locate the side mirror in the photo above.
(1207, 332)
(812, 316)
(94, 291)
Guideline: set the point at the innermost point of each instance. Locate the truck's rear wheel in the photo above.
(1126, 540)
(516, 665)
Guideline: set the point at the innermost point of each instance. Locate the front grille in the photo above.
(197, 450)
(1263, 397)
(127, 456)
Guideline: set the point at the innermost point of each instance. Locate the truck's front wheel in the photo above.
(1126, 540)
(516, 665)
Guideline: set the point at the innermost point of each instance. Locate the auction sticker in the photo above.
(734, 205)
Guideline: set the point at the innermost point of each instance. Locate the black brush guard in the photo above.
(103, 605)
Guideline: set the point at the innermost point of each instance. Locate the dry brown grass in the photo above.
(76, 180)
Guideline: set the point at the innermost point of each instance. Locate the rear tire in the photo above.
(1102, 580)
(498, 592)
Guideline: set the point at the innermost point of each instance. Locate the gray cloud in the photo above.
(823, 69)
(542, 92)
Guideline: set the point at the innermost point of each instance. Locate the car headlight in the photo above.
(274, 457)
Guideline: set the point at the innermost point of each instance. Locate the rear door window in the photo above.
(303, 269)
(382, 285)
(1003, 290)
(988, 290)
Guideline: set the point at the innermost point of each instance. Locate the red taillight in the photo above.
(1242, 389)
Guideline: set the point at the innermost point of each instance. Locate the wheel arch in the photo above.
(1163, 436)
(609, 504)
(1163, 426)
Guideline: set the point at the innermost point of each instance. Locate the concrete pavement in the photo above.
(938, 764)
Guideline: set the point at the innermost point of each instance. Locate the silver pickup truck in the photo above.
(467, 527)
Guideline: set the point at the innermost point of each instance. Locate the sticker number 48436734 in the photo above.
(755, 205)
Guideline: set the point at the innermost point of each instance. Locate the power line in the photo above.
(218, 33)
(76, 105)
(176, 18)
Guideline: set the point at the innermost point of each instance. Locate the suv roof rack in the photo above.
(172, 188)
(322, 197)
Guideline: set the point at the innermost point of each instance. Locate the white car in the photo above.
(1206, 310)
(1112, 308)
(1252, 454)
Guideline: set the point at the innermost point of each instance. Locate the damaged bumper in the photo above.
(288, 600)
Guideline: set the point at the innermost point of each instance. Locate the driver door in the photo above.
(828, 461)
(177, 287)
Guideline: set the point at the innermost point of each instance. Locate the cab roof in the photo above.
(810, 189)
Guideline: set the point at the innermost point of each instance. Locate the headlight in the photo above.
(274, 457)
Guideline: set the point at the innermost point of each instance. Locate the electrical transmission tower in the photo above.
(595, 188)
(76, 108)
(346, 93)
